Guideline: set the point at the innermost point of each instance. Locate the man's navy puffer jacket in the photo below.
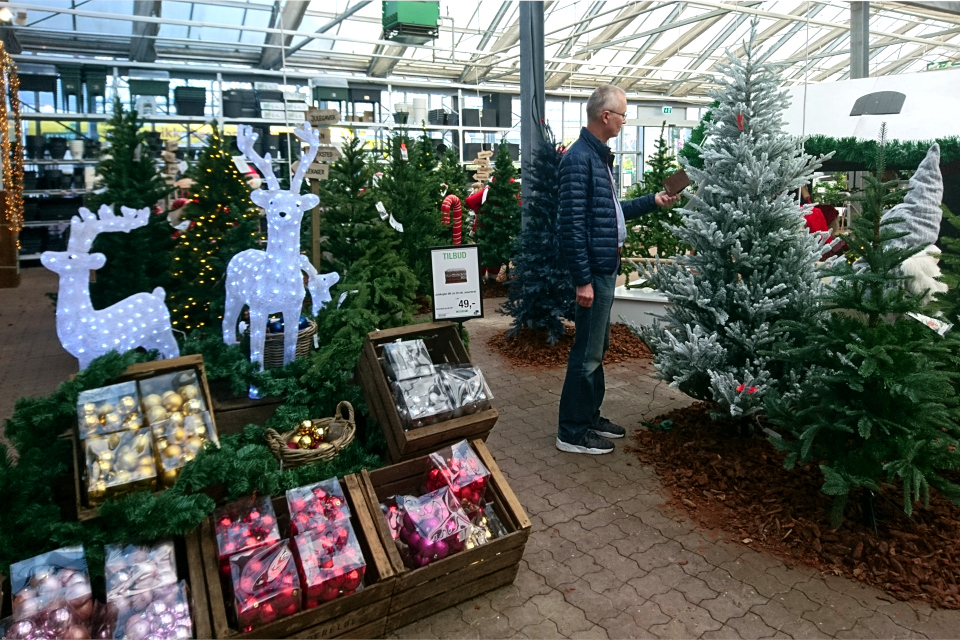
(588, 217)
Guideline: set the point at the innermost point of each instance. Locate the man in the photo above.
(592, 230)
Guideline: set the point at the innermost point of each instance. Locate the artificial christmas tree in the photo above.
(948, 302)
(382, 284)
(454, 175)
(541, 293)
(138, 261)
(499, 225)
(223, 222)
(753, 261)
(875, 399)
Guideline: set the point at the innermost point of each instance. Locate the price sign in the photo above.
(455, 272)
(322, 117)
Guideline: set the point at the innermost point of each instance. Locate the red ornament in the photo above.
(330, 562)
(740, 121)
(265, 584)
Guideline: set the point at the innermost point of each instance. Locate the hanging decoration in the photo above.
(452, 202)
(142, 320)
(11, 146)
(270, 281)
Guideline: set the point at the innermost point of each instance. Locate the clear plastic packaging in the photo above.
(486, 527)
(244, 525)
(434, 527)
(459, 468)
(330, 561)
(172, 396)
(266, 585)
(118, 463)
(405, 359)
(177, 442)
(467, 388)
(39, 583)
(422, 401)
(392, 514)
(161, 614)
(316, 505)
(57, 620)
(133, 571)
(108, 409)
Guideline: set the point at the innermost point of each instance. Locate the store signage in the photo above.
(315, 171)
(328, 154)
(485, 154)
(668, 109)
(456, 282)
(318, 117)
(481, 175)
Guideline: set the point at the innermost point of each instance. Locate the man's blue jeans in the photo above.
(583, 387)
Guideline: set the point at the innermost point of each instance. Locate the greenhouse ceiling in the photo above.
(647, 48)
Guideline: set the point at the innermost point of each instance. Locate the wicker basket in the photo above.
(273, 345)
(340, 428)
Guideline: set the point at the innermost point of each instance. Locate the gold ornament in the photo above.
(295, 440)
(113, 421)
(128, 404)
(162, 444)
(95, 472)
(141, 442)
(305, 442)
(189, 391)
(194, 444)
(113, 441)
(156, 414)
(192, 406)
(89, 409)
(172, 451)
(97, 489)
(105, 457)
(324, 447)
(176, 419)
(170, 476)
(152, 400)
(133, 421)
(201, 430)
(171, 401)
(179, 434)
(91, 421)
(122, 477)
(127, 459)
(145, 471)
(106, 409)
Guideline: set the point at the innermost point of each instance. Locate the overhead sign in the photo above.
(456, 282)
(668, 109)
(327, 154)
(318, 117)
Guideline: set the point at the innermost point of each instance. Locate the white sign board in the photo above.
(327, 154)
(322, 117)
(456, 282)
(315, 171)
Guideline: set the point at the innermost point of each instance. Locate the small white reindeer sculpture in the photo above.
(142, 320)
(270, 281)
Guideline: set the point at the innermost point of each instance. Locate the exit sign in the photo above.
(668, 109)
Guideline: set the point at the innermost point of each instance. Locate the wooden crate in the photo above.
(236, 412)
(444, 344)
(137, 371)
(422, 592)
(362, 614)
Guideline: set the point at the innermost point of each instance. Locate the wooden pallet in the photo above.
(421, 592)
(444, 344)
(360, 615)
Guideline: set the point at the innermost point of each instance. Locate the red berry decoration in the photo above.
(316, 505)
(459, 468)
(244, 525)
(265, 585)
(330, 562)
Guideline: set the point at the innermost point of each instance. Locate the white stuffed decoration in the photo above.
(270, 281)
(142, 320)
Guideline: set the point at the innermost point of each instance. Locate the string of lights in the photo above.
(11, 146)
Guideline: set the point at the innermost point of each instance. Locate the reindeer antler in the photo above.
(245, 139)
(312, 137)
(85, 228)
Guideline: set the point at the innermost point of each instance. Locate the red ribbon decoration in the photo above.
(452, 201)
(740, 121)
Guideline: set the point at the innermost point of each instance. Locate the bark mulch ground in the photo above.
(736, 483)
(531, 349)
(494, 289)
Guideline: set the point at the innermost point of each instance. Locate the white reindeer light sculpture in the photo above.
(142, 320)
(270, 281)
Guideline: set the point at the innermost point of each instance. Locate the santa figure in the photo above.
(475, 203)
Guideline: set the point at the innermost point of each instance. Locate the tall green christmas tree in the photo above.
(654, 229)
(223, 222)
(499, 221)
(948, 302)
(754, 261)
(541, 293)
(875, 400)
(411, 199)
(138, 261)
(454, 175)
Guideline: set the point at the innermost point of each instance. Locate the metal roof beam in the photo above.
(876, 47)
(500, 15)
(289, 16)
(142, 48)
(329, 25)
(582, 25)
(713, 46)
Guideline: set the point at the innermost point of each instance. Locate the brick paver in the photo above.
(606, 557)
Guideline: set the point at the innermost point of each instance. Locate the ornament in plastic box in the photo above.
(316, 505)
(177, 442)
(108, 409)
(486, 527)
(405, 359)
(434, 527)
(172, 396)
(459, 468)
(57, 620)
(40, 583)
(132, 572)
(266, 585)
(467, 388)
(393, 514)
(422, 401)
(162, 614)
(243, 525)
(330, 561)
(118, 463)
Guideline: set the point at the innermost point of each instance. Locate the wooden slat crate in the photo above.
(137, 371)
(421, 592)
(362, 614)
(236, 412)
(444, 344)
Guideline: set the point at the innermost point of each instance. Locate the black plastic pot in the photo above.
(91, 148)
(35, 147)
(57, 148)
(29, 180)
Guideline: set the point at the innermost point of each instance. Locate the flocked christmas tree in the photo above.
(499, 222)
(223, 222)
(541, 293)
(654, 229)
(137, 261)
(754, 261)
(876, 400)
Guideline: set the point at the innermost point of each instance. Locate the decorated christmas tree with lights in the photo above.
(499, 224)
(223, 221)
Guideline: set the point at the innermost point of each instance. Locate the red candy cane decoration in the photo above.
(452, 201)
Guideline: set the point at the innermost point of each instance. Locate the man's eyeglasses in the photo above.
(622, 115)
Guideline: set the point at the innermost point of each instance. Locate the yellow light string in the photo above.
(11, 147)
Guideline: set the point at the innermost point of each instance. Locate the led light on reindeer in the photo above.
(142, 320)
(270, 281)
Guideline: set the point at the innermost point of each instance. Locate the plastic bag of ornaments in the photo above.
(42, 582)
(406, 359)
(108, 409)
(459, 468)
(118, 463)
(160, 614)
(171, 396)
(467, 388)
(136, 577)
(422, 401)
(316, 505)
(486, 527)
(266, 585)
(392, 513)
(244, 525)
(60, 620)
(330, 562)
(177, 442)
(434, 527)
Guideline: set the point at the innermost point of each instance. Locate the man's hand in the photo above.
(665, 200)
(585, 296)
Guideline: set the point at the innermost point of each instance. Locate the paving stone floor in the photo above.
(606, 557)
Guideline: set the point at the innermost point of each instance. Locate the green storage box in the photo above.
(411, 22)
(141, 87)
(96, 80)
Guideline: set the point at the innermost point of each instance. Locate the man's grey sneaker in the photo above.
(607, 429)
(591, 444)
